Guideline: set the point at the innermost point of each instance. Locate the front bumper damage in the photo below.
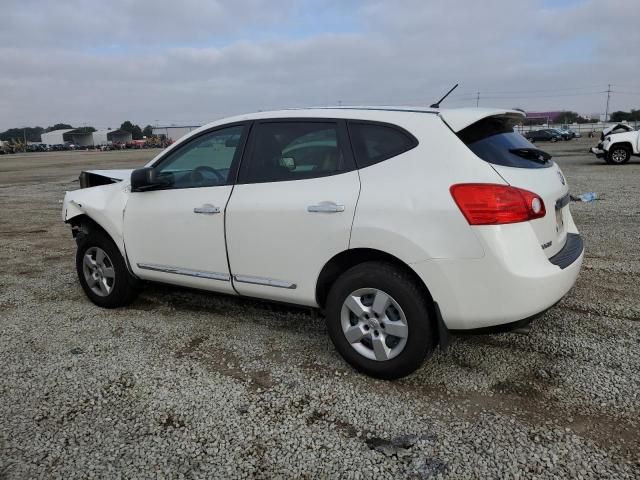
(598, 151)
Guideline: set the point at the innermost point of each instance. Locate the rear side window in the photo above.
(285, 151)
(373, 142)
(494, 141)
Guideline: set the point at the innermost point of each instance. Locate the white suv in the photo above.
(403, 225)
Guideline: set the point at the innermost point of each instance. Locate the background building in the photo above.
(108, 136)
(73, 135)
(173, 132)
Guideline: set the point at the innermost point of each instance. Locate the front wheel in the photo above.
(102, 271)
(379, 321)
(618, 155)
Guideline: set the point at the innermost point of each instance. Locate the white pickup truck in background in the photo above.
(617, 144)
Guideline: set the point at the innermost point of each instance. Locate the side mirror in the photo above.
(146, 179)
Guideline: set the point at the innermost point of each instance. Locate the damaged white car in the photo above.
(402, 224)
(617, 144)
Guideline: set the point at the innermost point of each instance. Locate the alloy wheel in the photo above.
(619, 155)
(98, 271)
(374, 324)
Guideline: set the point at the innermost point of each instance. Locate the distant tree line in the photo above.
(136, 132)
(620, 116)
(33, 134)
(566, 117)
(572, 117)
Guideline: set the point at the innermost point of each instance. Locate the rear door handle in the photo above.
(207, 209)
(325, 207)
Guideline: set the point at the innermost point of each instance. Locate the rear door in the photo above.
(292, 208)
(521, 164)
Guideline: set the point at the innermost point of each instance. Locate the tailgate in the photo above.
(522, 165)
(551, 186)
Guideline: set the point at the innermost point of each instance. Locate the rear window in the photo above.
(494, 140)
(373, 142)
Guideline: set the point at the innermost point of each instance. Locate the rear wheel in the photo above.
(378, 319)
(618, 155)
(102, 271)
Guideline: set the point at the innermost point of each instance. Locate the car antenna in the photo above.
(437, 104)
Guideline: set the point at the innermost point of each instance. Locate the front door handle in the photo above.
(325, 207)
(207, 209)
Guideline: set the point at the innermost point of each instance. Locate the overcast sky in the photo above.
(191, 62)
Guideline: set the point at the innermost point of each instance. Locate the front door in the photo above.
(292, 208)
(176, 234)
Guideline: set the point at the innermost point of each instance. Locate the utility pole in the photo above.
(606, 112)
(478, 99)
(24, 135)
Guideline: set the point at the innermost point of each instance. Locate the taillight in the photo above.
(489, 204)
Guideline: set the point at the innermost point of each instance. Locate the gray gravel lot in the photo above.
(196, 385)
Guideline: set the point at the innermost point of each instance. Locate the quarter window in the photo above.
(284, 151)
(373, 143)
(204, 162)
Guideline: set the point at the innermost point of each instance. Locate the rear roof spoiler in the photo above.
(458, 119)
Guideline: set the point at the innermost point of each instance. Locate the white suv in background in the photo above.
(401, 224)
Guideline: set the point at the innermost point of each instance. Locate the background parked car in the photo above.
(573, 133)
(546, 135)
(565, 134)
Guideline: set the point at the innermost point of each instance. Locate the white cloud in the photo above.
(102, 63)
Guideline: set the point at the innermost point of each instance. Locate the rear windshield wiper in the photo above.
(534, 154)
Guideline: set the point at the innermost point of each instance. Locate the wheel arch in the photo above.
(83, 224)
(624, 144)
(349, 258)
(352, 257)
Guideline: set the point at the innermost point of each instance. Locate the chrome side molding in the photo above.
(269, 282)
(224, 277)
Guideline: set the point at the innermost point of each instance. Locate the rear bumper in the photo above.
(513, 281)
(572, 250)
(517, 326)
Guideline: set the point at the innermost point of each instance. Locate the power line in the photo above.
(548, 90)
(504, 97)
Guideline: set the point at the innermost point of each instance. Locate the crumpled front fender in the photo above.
(104, 205)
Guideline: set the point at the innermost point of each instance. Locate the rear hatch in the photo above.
(523, 165)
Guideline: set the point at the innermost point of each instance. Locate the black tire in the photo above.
(125, 287)
(618, 154)
(421, 339)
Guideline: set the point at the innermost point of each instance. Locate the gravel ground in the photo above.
(185, 384)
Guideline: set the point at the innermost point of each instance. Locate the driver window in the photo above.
(203, 162)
